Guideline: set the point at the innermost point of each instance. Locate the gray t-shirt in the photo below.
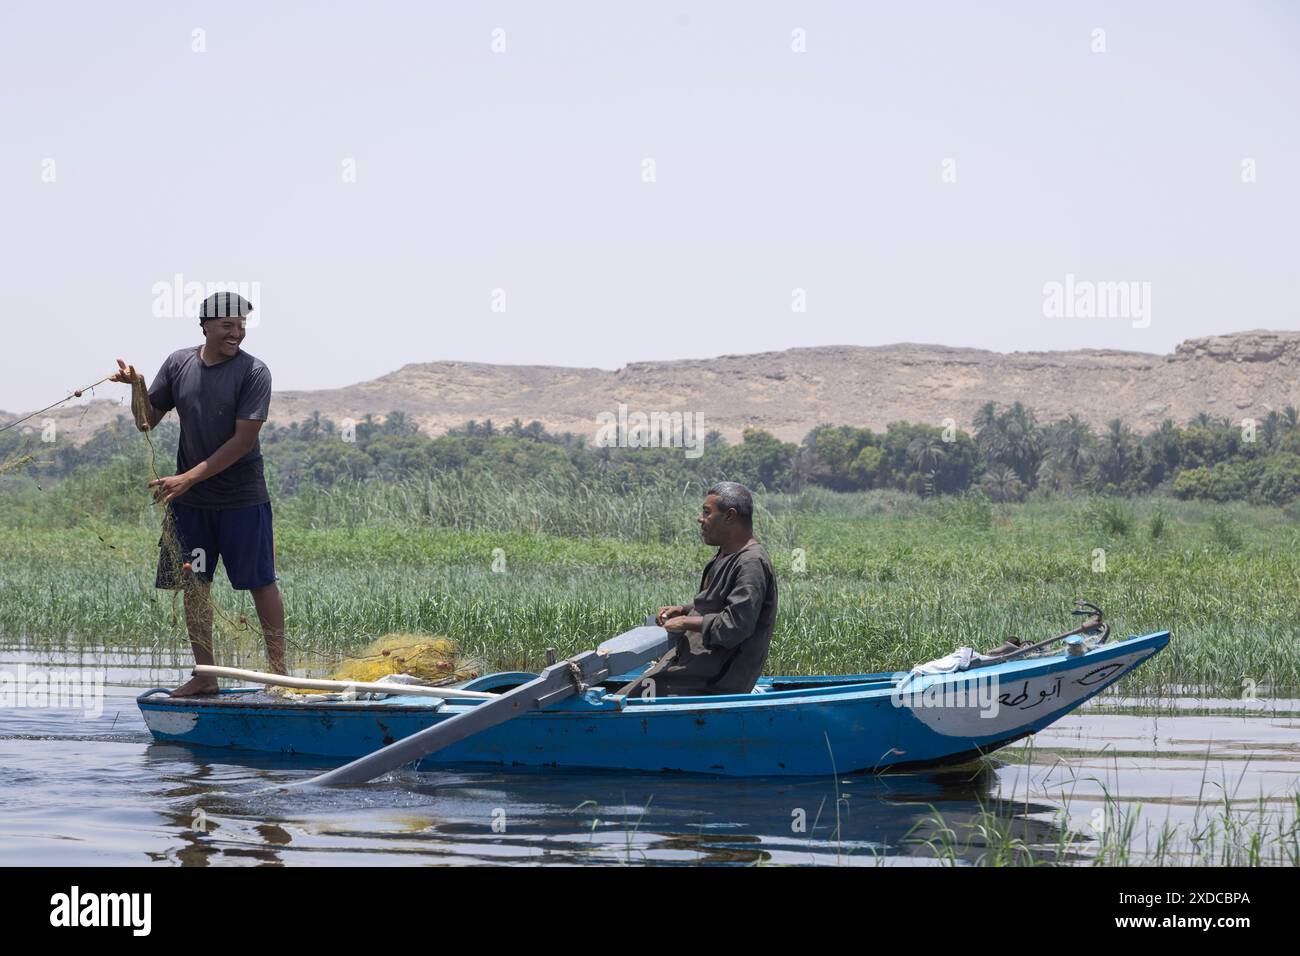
(208, 399)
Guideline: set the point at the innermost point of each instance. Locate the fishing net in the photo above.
(400, 658)
(16, 464)
(431, 659)
(174, 569)
(424, 658)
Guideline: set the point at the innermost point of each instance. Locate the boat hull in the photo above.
(854, 723)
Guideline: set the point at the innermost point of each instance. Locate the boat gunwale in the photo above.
(870, 686)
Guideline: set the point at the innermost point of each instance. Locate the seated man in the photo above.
(724, 634)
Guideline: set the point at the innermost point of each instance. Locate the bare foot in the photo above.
(196, 687)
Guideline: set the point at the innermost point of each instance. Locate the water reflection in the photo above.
(84, 790)
(222, 804)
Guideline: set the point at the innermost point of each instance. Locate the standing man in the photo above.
(723, 635)
(218, 496)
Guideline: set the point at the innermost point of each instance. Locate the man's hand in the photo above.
(680, 623)
(141, 408)
(673, 610)
(126, 374)
(165, 489)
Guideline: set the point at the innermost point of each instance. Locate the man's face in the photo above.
(224, 335)
(713, 521)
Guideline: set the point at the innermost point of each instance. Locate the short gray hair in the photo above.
(732, 494)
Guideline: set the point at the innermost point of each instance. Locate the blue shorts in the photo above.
(241, 537)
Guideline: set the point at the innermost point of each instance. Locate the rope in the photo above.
(76, 394)
(172, 547)
(171, 541)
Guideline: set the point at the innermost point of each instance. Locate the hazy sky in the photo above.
(524, 170)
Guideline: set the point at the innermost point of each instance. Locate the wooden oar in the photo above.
(319, 683)
(558, 682)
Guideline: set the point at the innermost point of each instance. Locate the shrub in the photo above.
(1224, 532)
(1279, 481)
(1110, 515)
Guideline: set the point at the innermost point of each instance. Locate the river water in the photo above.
(88, 785)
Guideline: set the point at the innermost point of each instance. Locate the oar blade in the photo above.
(559, 681)
(523, 698)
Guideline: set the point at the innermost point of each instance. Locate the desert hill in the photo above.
(1244, 374)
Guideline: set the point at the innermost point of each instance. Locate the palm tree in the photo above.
(1271, 429)
(1117, 459)
(397, 424)
(1071, 448)
(1021, 442)
(986, 427)
(927, 454)
(1053, 473)
(1164, 452)
(476, 429)
(311, 427)
(1002, 484)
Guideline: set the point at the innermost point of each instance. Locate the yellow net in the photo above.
(431, 659)
(16, 464)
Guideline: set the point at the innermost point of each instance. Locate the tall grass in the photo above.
(1226, 830)
(868, 581)
(1225, 833)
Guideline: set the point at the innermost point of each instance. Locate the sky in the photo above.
(592, 184)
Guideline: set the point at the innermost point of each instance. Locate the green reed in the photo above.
(868, 581)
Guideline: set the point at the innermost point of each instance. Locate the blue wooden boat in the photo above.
(795, 726)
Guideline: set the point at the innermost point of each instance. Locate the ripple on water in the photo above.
(95, 789)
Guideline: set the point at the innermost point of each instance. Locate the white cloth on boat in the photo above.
(399, 679)
(959, 660)
(316, 697)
